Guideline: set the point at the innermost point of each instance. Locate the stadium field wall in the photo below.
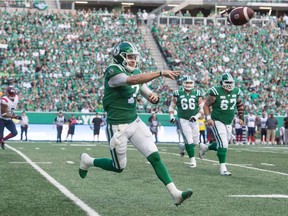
(41, 127)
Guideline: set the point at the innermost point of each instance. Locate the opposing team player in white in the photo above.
(8, 105)
(188, 102)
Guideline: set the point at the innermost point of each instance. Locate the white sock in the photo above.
(90, 161)
(193, 160)
(223, 167)
(173, 190)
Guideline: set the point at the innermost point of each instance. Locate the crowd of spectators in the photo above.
(57, 60)
(257, 57)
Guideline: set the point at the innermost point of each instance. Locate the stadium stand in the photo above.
(258, 62)
(57, 60)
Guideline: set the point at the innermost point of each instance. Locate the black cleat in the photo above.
(3, 145)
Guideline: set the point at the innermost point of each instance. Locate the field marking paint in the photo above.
(267, 164)
(60, 187)
(281, 196)
(20, 162)
(214, 161)
(237, 165)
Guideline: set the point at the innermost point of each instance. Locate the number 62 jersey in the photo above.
(224, 102)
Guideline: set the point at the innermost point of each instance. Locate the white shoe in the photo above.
(203, 149)
(193, 163)
(253, 143)
(85, 163)
(225, 173)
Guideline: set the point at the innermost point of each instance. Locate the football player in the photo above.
(123, 81)
(189, 104)
(8, 105)
(225, 100)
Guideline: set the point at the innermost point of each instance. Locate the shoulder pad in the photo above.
(213, 91)
(114, 69)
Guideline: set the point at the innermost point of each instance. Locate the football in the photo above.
(240, 15)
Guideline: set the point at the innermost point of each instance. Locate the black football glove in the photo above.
(18, 117)
(173, 120)
(192, 119)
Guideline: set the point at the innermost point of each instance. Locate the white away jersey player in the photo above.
(11, 105)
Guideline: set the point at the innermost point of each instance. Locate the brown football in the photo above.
(240, 15)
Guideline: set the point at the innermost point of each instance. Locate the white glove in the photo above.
(172, 119)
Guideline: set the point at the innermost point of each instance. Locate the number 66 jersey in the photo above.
(224, 102)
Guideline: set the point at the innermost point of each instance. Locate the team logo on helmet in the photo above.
(116, 51)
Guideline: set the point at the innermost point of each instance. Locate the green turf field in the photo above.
(257, 185)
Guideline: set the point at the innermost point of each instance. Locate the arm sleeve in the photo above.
(118, 80)
(145, 91)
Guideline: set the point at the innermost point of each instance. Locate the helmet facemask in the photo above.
(227, 82)
(131, 61)
(11, 92)
(188, 83)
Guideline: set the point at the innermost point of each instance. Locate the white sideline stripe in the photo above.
(237, 165)
(261, 196)
(214, 161)
(61, 188)
(267, 164)
(21, 162)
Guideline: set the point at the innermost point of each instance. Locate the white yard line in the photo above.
(40, 162)
(261, 196)
(60, 187)
(236, 165)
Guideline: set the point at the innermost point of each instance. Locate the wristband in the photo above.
(161, 73)
(208, 117)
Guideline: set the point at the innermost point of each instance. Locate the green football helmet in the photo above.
(227, 82)
(127, 55)
(188, 83)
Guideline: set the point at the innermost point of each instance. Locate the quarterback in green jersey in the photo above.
(188, 102)
(123, 82)
(225, 101)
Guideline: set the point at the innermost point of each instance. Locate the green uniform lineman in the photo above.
(225, 100)
(187, 101)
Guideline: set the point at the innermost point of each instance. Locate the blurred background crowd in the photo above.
(57, 60)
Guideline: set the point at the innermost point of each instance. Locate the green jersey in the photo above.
(187, 103)
(120, 102)
(224, 107)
